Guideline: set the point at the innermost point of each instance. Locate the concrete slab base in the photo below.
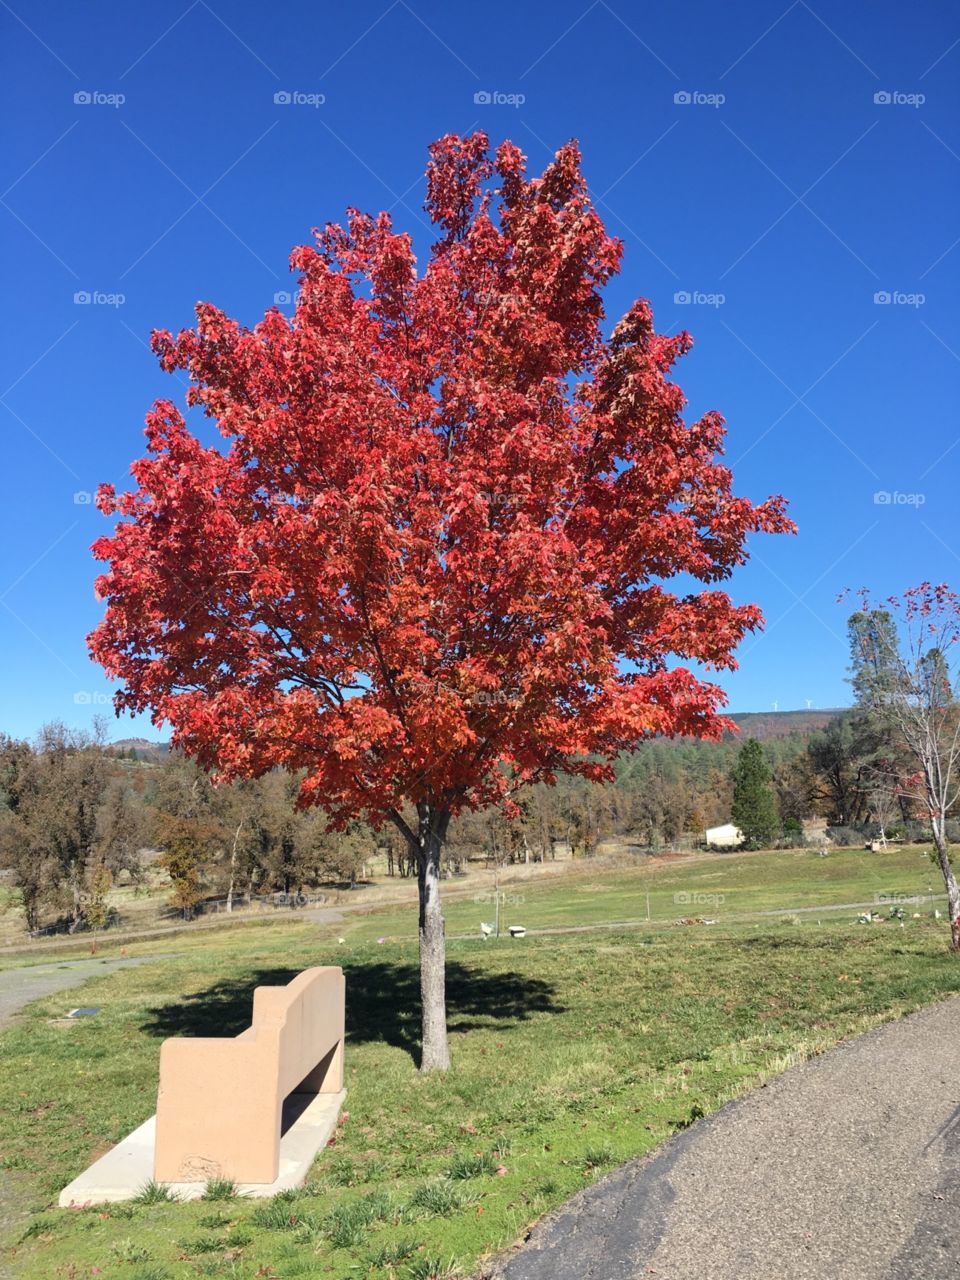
(122, 1172)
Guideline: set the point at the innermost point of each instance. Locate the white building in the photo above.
(726, 837)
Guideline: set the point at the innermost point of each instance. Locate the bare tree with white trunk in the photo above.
(906, 664)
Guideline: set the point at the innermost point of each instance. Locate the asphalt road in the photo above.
(844, 1168)
(18, 987)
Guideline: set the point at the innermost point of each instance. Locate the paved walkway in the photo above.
(845, 1168)
(18, 987)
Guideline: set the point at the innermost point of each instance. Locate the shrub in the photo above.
(845, 837)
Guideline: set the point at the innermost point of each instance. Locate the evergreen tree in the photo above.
(874, 646)
(754, 803)
(879, 680)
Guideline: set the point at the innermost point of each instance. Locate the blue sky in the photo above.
(773, 169)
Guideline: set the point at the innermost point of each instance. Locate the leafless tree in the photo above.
(905, 667)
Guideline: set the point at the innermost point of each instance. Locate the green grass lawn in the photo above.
(728, 888)
(571, 1052)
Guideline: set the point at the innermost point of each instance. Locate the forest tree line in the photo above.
(77, 815)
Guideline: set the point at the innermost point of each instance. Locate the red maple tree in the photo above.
(429, 568)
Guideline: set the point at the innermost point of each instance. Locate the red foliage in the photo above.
(431, 560)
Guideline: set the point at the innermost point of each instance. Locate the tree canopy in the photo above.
(432, 562)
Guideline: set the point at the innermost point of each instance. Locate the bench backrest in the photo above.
(305, 1018)
(220, 1101)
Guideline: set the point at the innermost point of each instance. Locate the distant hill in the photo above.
(145, 749)
(764, 725)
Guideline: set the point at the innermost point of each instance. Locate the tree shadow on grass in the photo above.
(383, 1003)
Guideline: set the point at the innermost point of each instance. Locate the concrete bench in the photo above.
(220, 1107)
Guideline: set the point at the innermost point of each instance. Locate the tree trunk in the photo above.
(76, 894)
(950, 883)
(31, 909)
(496, 898)
(432, 829)
(233, 866)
